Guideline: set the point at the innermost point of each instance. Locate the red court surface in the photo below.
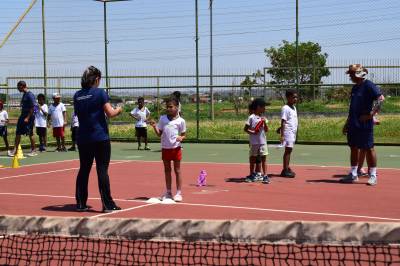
(314, 195)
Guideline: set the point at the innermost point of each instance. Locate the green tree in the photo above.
(3, 97)
(312, 63)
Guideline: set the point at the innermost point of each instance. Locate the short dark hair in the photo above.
(256, 103)
(89, 77)
(21, 83)
(172, 100)
(41, 95)
(177, 94)
(140, 99)
(290, 93)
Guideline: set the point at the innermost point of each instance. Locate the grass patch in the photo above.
(323, 129)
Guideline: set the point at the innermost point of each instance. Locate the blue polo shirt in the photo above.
(27, 103)
(362, 99)
(88, 105)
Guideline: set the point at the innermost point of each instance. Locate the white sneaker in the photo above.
(373, 180)
(167, 195)
(31, 154)
(178, 198)
(10, 153)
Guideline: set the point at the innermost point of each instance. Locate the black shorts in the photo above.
(41, 131)
(25, 128)
(3, 131)
(141, 132)
(74, 133)
(360, 138)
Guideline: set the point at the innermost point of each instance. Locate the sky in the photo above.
(154, 37)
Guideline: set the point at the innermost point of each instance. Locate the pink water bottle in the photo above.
(201, 180)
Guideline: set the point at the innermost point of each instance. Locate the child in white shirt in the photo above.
(74, 130)
(41, 121)
(3, 126)
(288, 130)
(141, 114)
(58, 117)
(172, 130)
(256, 127)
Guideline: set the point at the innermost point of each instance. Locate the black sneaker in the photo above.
(112, 209)
(287, 173)
(266, 180)
(72, 149)
(81, 208)
(250, 178)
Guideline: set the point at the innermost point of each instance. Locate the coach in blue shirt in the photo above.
(26, 119)
(359, 126)
(91, 104)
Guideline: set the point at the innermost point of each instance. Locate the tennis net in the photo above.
(85, 241)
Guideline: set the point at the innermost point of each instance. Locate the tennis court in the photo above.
(314, 196)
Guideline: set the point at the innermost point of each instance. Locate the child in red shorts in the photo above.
(58, 117)
(171, 128)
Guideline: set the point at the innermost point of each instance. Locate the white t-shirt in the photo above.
(74, 120)
(170, 130)
(141, 115)
(290, 116)
(258, 138)
(56, 113)
(3, 117)
(40, 117)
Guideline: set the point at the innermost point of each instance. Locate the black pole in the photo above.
(197, 74)
(44, 51)
(297, 46)
(211, 63)
(105, 47)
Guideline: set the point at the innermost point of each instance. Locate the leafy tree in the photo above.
(312, 63)
(3, 97)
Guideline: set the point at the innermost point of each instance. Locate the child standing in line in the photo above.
(41, 121)
(141, 114)
(172, 130)
(58, 117)
(256, 127)
(3, 127)
(288, 131)
(74, 130)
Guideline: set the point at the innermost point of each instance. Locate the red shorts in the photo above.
(58, 132)
(172, 154)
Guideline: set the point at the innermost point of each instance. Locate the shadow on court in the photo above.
(66, 208)
(330, 181)
(236, 179)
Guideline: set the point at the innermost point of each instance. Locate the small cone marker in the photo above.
(15, 163)
(20, 154)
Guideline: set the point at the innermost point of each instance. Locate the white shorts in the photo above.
(258, 149)
(289, 138)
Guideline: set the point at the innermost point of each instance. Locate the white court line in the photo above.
(274, 164)
(54, 171)
(123, 210)
(215, 206)
(29, 165)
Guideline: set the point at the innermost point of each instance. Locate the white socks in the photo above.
(354, 170)
(372, 171)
